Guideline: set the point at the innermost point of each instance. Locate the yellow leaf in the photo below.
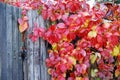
(86, 23)
(73, 60)
(119, 47)
(54, 46)
(23, 27)
(49, 71)
(92, 34)
(115, 51)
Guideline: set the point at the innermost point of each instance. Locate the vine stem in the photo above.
(89, 71)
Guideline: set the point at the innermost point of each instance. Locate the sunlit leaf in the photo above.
(73, 60)
(78, 78)
(49, 71)
(93, 58)
(115, 51)
(92, 34)
(23, 27)
(94, 72)
(54, 46)
(117, 72)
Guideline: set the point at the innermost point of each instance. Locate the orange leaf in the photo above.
(117, 73)
(78, 78)
(23, 27)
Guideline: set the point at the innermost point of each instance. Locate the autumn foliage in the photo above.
(85, 42)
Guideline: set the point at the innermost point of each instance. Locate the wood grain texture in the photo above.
(11, 68)
(30, 48)
(3, 41)
(15, 43)
(43, 54)
(1, 48)
(37, 54)
(20, 69)
(36, 57)
(9, 43)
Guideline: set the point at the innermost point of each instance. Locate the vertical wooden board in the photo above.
(9, 41)
(15, 43)
(0, 39)
(0, 51)
(43, 68)
(43, 54)
(20, 76)
(25, 69)
(36, 51)
(30, 48)
(3, 41)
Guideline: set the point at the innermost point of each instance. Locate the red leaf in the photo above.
(70, 78)
(33, 37)
(24, 12)
(113, 39)
(44, 14)
(61, 78)
(63, 67)
(61, 25)
(71, 36)
(20, 21)
(25, 18)
(36, 31)
(52, 28)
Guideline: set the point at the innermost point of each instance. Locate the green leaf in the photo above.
(98, 79)
(93, 58)
(39, 12)
(93, 72)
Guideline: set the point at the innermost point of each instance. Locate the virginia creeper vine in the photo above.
(85, 41)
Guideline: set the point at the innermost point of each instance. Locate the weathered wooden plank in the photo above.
(10, 66)
(15, 43)
(20, 69)
(36, 51)
(25, 69)
(11, 69)
(43, 54)
(9, 41)
(30, 48)
(0, 39)
(3, 41)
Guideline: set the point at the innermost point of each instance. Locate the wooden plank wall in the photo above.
(36, 51)
(10, 62)
(10, 44)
